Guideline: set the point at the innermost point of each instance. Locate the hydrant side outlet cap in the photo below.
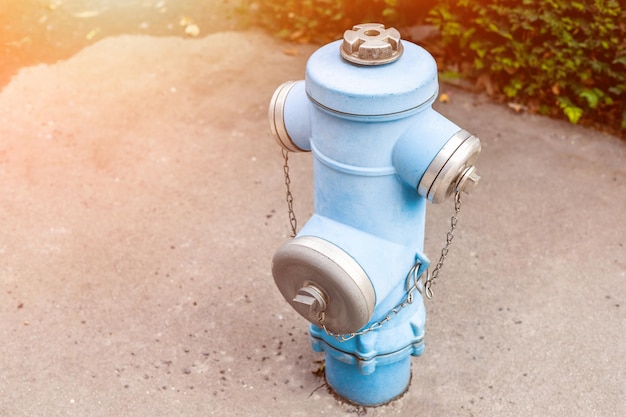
(317, 277)
(382, 90)
(455, 162)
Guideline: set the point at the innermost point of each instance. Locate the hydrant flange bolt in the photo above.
(469, 180)
(310, 295)
(371, 44)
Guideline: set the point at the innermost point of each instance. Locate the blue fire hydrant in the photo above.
(380, 152)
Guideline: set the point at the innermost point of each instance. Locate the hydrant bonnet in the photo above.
(344, 88)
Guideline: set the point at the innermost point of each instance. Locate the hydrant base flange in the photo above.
(373, 368)
(371, 382)
(356, 389)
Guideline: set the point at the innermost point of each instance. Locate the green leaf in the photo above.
(449, 76)
(479, 48)
(592, 96)
(512, 89)
(573, 113)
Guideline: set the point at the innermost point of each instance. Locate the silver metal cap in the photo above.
(452, 168)
(276, 117)
(371, 44)
(320, 280)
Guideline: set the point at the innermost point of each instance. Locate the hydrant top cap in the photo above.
(340, 86)
(371, 44)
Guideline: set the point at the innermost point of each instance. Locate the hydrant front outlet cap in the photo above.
(324, 284)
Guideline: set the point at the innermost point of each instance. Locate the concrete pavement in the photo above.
(143, 199)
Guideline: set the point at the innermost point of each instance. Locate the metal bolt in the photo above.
(371, 44)
(312, 297)
(469, 180)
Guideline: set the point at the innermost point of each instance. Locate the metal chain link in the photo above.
(430, 278)
(289, 198)
(411, 284)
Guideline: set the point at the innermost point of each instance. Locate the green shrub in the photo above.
(551, 55)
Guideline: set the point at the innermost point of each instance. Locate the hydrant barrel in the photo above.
(380, 153)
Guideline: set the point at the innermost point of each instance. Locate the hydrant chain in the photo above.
(430, 278)
(412, 278)
(289, 197)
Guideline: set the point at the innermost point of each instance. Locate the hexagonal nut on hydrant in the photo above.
(310, 300)
(371, 44)
(468, 181)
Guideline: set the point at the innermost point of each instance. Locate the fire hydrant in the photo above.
(380, 153)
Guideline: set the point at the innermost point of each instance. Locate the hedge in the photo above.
(553, 56)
